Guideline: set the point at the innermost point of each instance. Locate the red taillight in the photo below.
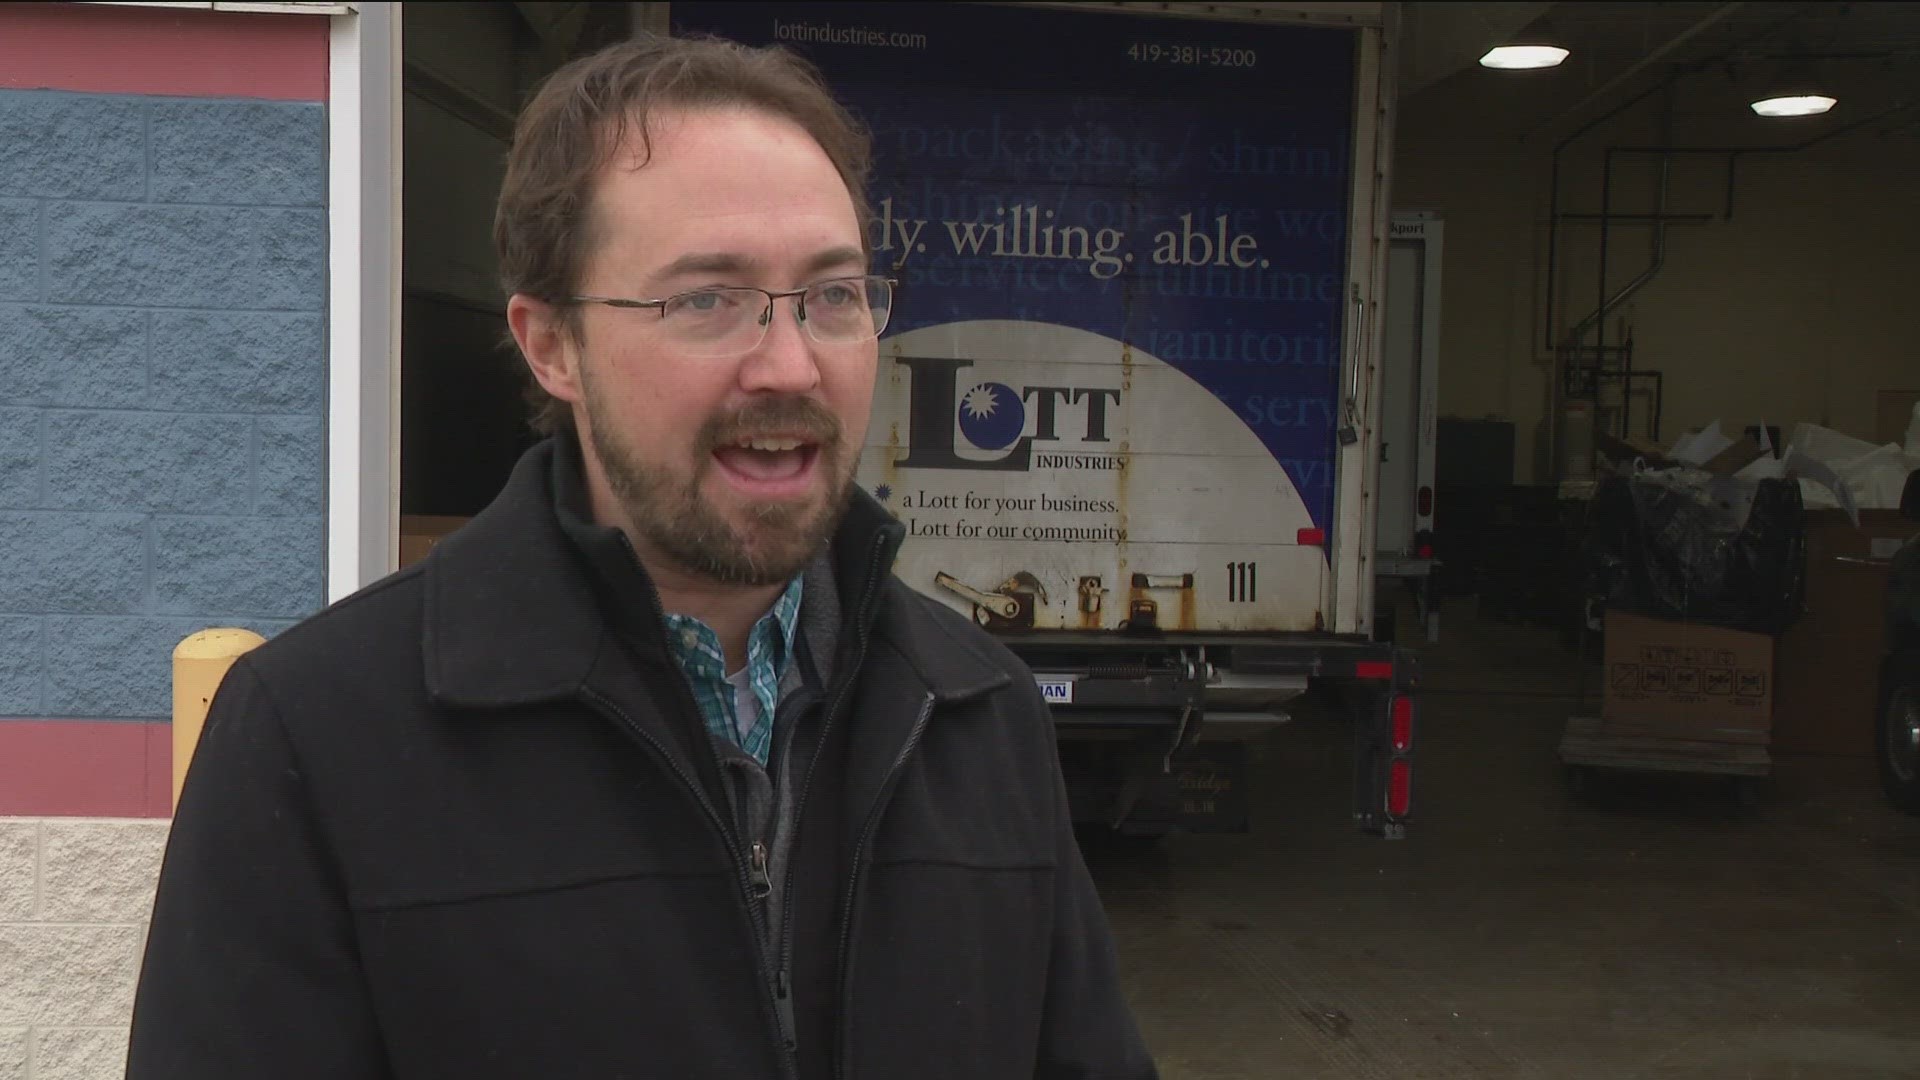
(1426, 551)
(1402, 724)
(1373, 669)
(1426, 502)
(1399, 788)
(1311, 538)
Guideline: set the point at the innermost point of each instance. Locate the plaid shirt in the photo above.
(769, 647)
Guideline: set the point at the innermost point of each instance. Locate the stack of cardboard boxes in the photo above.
(1809, 690)
(1829, 660)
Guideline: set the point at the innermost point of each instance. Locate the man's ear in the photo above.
(547, 347)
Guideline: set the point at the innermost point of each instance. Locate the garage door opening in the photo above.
(467, 69)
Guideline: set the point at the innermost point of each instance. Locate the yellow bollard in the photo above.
(199, 663)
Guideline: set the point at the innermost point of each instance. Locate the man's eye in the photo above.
(710, 302)
(838, 295)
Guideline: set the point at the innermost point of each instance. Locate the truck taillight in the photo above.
(1402, 724)
(1311, 538)
(1399, 788)
(1426, 502)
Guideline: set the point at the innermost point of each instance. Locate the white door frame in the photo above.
(1352, 587)
(363, 290)
(1424, 231)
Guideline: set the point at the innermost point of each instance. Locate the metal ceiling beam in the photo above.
(557, 26)
(1638, 66)
(449, 94)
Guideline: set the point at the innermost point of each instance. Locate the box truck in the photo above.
(1128, 403)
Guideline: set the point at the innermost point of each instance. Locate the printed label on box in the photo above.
(1687, 681)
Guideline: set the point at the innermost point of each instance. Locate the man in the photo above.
(654, 769)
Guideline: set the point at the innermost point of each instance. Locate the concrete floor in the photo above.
(1520, 931)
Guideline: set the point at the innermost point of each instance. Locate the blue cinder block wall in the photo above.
(163, 381)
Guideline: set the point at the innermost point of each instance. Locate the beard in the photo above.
(664, 504)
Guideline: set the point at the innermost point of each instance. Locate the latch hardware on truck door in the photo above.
(1350, 423)
(1011, 606)
(1143, 612)
(1195, 674)
(1090, 594)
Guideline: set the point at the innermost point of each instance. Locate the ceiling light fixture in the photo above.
(1794, 105)
(1523, 57)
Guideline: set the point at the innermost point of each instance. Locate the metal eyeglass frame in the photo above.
(766, 315)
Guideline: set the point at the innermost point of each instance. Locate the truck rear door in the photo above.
(1132, 304)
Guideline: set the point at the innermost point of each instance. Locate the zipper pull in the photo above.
(762, 882)
(783, 999)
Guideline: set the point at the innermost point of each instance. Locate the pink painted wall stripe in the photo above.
(86, 768)
(109, 49)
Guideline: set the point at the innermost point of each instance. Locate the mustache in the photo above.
(800, 418)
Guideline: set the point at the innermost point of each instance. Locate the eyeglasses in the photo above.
(733, 321)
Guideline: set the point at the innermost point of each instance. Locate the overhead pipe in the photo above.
(1596, 320)
(1659, 260)
(1553, 192)
(1734, 152)
(1553, 189)
(1607, 304)
(1695, 217)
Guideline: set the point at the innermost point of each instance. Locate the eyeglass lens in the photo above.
(843, 311)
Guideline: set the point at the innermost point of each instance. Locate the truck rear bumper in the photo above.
(1165, 709)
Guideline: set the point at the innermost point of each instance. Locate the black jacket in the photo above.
(455, 826)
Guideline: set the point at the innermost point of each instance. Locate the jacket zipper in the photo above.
(782, 994)
(863, 617)
(743, 868)
(762, 884)
(750, 881)
(853, 877)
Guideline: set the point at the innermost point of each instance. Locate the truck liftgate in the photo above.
(1154, 744)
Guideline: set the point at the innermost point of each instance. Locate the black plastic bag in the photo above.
(1725, 552)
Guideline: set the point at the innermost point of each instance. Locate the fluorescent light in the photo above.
(1523, 57)
(1797, 105)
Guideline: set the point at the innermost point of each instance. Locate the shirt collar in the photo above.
(697, 647)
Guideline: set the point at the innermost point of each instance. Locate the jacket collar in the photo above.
(628, 602)
(518, 612)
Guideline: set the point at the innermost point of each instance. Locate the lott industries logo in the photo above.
(993, 418)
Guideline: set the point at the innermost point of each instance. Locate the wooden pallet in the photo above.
(1587, 743)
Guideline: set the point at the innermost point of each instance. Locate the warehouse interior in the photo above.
(1641, 274)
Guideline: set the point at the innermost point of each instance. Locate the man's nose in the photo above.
(785, 361)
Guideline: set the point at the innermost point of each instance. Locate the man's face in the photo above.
(735, 468)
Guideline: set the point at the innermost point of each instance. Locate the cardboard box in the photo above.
(1892, 412)
(419, 532)
(1829, 663)
(1687, 681)
(1741, 454)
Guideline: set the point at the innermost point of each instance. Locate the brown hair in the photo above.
(579, 119)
